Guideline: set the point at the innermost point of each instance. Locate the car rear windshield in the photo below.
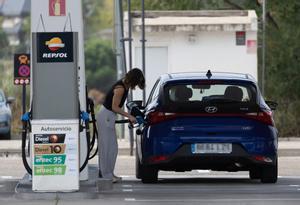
(194, 95)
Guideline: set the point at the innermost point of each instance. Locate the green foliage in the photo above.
(3, 44)
(100, 64)
(283, 60)
(99, 55)
(97, 15)
(177, 4)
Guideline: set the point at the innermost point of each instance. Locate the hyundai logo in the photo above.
(211, 109)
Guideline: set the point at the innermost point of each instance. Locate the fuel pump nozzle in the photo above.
(134, 109)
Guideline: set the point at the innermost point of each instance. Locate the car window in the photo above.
(234, 92)
(154, 92)
(196, 94)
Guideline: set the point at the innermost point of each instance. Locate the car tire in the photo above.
(269, 174)
(148, 174)
(137, 166)
(255, 173)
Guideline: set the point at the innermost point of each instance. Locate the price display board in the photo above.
(55, 155)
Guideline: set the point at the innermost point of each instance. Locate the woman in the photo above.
(115, 99)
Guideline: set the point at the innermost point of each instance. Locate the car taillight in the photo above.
(157, 117)
(265, 117)
(262, 159)
(160, 158)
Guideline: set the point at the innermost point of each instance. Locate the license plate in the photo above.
(212, 148)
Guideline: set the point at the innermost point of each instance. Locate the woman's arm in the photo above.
(118, 93)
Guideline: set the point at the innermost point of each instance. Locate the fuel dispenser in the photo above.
(57, 124)
(55, 119)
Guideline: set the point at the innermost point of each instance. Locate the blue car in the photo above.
(5, 116)
(209, 121)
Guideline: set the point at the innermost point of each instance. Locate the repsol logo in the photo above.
(55, 55)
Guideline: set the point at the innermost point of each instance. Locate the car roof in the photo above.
(203, 75)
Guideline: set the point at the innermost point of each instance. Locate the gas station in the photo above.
(59, 132)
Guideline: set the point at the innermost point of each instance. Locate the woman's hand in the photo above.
(132, 119)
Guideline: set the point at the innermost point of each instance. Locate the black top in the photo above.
(109, 97)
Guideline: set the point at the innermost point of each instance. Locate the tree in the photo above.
(97, 15)
(100, 64)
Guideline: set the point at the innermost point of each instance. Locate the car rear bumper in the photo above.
(184, 160)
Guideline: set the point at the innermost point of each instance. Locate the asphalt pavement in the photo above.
(185, 189)
(196, 187)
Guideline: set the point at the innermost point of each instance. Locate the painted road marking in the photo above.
(6, 177)
(127, 190)
(294, 185)
(203, 171)
(129, 199)
(125, 176)
(126, 185)
(210, 200)
(1, 186)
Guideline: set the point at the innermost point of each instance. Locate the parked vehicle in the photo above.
(5, 116)
(214, 121)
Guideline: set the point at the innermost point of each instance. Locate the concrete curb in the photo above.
(126, 152)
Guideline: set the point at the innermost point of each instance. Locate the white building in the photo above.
(184, 41)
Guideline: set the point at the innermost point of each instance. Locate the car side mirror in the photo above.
(272, 105)
(10, 100)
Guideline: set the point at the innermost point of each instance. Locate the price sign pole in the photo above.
(22, 74)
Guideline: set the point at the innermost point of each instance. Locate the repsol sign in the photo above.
(55, 55)
(55, 47)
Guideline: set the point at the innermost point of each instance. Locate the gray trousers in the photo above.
(107, 142)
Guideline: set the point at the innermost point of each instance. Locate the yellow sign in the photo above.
(49, 149)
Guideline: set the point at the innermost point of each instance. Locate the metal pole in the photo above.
(143, 47)
(129, 34)
(24, 98)
(118, 40)
(263, 78)
(130, 97)
(123, 56)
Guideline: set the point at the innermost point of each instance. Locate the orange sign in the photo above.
(57, 7)
(49, 149)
